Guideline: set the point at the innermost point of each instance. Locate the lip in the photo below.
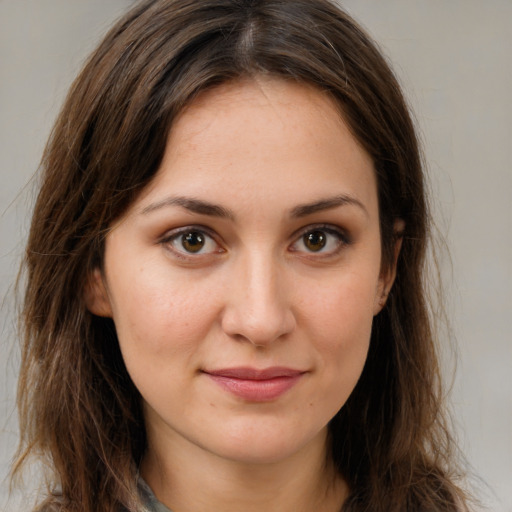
(256, 385)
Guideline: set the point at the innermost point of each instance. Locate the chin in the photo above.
(262, 444)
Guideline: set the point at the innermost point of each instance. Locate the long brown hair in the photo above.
(79, 410)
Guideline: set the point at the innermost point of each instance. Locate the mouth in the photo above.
(256, 385)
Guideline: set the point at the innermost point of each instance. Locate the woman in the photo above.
(224, 305)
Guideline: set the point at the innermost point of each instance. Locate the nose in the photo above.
(258, 307)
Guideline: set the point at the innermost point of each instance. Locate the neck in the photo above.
(192, 480)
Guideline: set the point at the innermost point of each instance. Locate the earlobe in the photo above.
(95, 295)
(387, 278)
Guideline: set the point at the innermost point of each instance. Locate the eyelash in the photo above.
(341, 235)
(343, 240)
(174, 236)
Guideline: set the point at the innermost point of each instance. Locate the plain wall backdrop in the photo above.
(454, 59)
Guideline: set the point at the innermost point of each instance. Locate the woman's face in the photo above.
(244, 279)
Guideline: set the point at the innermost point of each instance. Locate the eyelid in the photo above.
(173, 234)
(331, 229)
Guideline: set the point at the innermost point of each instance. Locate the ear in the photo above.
(95, 295)
(387, 277)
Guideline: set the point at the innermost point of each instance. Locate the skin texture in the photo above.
(254, 295)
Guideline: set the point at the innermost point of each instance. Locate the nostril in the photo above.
(258, 303)
(260, 330)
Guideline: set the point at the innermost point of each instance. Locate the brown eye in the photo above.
(321, 241)
(193, 241)
(315, 240)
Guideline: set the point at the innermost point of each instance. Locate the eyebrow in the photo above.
(327, 204)
(193, 205)
(213, 210)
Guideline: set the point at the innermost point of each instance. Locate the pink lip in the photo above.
(256, 385)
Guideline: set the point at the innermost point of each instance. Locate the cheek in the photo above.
(340, 322)
(158, 314)
(162, 324)
(343, 308)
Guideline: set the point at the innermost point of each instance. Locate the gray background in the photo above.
(454, 58)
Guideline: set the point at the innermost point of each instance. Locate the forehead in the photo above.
(273, 106)
(281, 138)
